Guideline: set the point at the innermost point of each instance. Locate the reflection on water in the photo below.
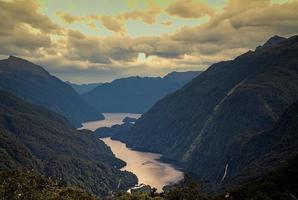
(145, 165)
(110, 120)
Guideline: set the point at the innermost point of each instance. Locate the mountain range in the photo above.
(135, 94)
(233, 127)
(36, 85)
(233, 122)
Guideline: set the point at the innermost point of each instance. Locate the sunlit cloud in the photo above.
(72, 53)
(189, 9)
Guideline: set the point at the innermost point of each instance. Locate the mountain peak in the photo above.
(11, 57)
(274, 40)
(181, 77)
(271, 41)
(13, 63)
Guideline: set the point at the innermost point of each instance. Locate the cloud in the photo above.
(23, 29)
(166, 23)
(189, 9)
(226, 35)
(96, 49)
(25, 11)
(240, 26)
(243, 24)
(116, 23)
(68, 18)
(112, 24)
(148, 15)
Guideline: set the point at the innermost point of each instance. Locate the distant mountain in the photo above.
(83, 88)
(36, 139)
(36, 85)
(215, 126)
(181, 77)
(135, 94)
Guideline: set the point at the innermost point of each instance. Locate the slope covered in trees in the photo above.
(209, 123)
(33, 138)
(35, 84)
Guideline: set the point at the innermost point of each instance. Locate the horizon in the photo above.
(101, 41)
(87, 83)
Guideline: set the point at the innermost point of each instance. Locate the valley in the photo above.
(149, 100)
(146, 166)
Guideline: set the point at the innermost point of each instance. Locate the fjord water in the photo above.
(110, 120)
(146, 166)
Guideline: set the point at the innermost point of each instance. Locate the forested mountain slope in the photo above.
(33, 138)
(35, 84)
(200, 124)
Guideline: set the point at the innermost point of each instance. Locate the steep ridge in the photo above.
(33, 138)
(135, 94)
(198, 124)
(266, 150)
(35, 84)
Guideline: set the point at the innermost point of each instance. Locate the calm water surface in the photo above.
(145, 165)
(110, 120)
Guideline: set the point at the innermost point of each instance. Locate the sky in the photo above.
(87, 41)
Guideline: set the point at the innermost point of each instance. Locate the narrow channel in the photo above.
(145, 165)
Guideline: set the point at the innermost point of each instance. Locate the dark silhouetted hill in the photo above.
(36, 85)
(34, 138)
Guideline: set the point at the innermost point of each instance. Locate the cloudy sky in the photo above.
(100, 40)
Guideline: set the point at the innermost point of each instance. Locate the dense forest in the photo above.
(34, 138)
(278, 184)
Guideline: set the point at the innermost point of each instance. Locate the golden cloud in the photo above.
(189, 9)
(242, 25)
(112, 24)
(167, 23)
(68, 18)
(23, 28)
(115, 23)
(147, 16)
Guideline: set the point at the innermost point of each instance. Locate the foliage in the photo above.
(279, 184)
(33, 138)
(29, 185)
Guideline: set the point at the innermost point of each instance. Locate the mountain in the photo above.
(266, 150)
(83, 88)
(271, 41)
(181, 77)
(135, 94)
(36, 85)
(201, 125)
(36, 139)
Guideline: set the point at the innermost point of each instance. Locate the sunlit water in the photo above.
(110, 120)
(146, 166)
